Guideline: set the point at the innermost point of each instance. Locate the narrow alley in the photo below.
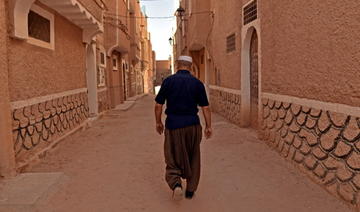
(117, 165)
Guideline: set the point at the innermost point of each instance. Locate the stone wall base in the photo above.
(37, 126)
(103, 101)
(226, 104)
(324, 144)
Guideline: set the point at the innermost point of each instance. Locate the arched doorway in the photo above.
(250, 76)
(254, 80)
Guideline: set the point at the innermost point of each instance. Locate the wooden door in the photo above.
(254, 80)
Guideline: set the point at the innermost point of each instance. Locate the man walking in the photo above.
(182, 93)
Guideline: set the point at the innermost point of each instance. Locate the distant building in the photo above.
(163, 70)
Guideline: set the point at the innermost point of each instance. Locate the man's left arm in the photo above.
(158, 114)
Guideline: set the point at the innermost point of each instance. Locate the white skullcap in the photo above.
(185, 58)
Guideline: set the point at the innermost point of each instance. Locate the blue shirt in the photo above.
(183, 94)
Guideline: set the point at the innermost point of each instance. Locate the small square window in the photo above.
(41, 27)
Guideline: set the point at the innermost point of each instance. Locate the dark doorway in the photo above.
(254, 80)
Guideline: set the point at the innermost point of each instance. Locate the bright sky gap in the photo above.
(161, 24)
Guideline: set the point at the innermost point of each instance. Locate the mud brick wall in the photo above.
(103, 101)
(226, 104)
(325, 144)
(37, 126)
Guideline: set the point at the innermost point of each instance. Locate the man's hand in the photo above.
(207, 115)
(159, 124)
(208, 132)
(160, 128)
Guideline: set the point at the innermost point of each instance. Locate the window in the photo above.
(102, 59)
(41, 27)
(250, 12)
(101, 76)
(231, 43)
(115, 63)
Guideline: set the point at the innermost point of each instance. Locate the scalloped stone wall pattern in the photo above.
(36, 126)
(325, 144)
(104, 102)
(226, 104)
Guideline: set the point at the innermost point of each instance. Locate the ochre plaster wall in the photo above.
(7, 157)
(227, 21)
(311, 49)
(36, 71)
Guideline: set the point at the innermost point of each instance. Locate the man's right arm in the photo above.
(204, 104)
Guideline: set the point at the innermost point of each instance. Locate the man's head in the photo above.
(184, 63)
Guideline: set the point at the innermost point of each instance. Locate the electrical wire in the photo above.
(157, 17)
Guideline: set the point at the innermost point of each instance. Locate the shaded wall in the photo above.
(36, 71)
(7, 161)
(227, 65)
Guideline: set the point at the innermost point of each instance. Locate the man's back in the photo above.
(183, 94)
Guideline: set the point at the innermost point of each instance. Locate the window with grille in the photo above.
(250, 12)
(231, 43)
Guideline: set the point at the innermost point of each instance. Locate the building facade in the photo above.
(163, 70)
(62, 63)
(287, 70)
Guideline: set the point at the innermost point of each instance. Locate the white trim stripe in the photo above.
(228, 90)
(37, 100)
(334, 107)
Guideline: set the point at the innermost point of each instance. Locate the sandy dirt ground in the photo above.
(117, 165)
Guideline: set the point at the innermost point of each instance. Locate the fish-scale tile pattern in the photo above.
(226, 104)
(325, 143)
(37, 125)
